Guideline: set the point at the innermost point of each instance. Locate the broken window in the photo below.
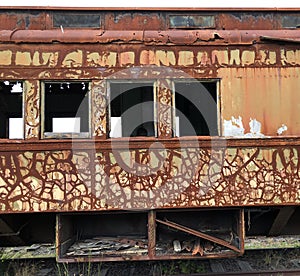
(11, 110)
(131, 109)
(66, 109)
(196, 108)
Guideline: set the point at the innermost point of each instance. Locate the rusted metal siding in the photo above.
(88, 176)
(266, 95)
(258, 79)
(12, 20)
(256, 82)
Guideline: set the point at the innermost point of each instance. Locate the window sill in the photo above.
(66, 135)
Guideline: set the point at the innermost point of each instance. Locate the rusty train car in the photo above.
(148, 134)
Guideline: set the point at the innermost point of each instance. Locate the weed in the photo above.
(181, 267)
(62, 269)
(21, 269)
(189, 267)
(167, 268)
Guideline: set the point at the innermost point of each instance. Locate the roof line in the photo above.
(151, 8)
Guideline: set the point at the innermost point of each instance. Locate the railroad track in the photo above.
(256, 262)
(293, 272)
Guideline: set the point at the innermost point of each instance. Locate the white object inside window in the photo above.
(177, 132)
(16, 128)
(66, 125)
(116, 127)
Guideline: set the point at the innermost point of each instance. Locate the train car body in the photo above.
(148, 134)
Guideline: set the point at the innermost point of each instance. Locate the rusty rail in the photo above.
(173, 37)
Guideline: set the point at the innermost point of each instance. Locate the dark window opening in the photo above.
(11, 110)
(290, 21)
(76, 20)
(196, 108)
(66, 107)
(132, 109)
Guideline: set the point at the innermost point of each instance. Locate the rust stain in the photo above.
(63, 180)
(135, 55)
(252, 57)
(170, 37)
(267, 95)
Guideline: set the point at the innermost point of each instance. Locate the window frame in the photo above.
(129, 81)
(76, 13)
(23, 83)
(65, 135)
(217, 81)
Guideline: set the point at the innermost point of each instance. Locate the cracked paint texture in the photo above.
(118, 179)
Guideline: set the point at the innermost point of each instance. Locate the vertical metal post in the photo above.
(151, 234)
(32, 110)
(99, 108)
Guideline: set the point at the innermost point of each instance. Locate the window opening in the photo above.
(132, 109)
(66, 109)
(76, 20)
(191, 21)
(11, 110)
(196, 108)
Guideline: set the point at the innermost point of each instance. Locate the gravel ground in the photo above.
(257, 260)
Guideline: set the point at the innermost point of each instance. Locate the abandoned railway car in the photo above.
(148, 134)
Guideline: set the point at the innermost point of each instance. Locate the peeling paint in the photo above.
(248, 57)
(166, 58)
(220, 57)
(102, 59)
(90, 57)
(290, 57)
(186, 58)
(73, 59)
(282, 129)
(127, 58)
(203, 58)
(5, 57)
(235, 57)
(255, 129)
(23, 58)
(234, 127)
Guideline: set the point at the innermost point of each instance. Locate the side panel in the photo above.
(116, 178)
